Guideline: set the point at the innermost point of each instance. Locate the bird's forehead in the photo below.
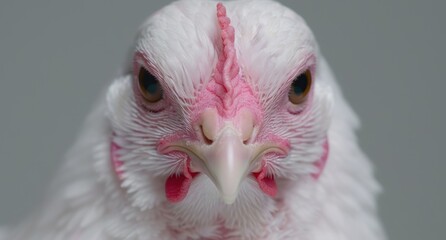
(183, 39)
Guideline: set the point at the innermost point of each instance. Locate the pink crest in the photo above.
(227, 70)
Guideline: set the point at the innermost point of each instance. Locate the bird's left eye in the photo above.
(149, 86)
(300, 88)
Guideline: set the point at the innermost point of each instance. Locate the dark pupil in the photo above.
(300, 84)
(148, 82)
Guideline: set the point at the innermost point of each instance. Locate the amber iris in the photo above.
(149, 86)
(300, 88)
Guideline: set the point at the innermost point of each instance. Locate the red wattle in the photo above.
(177, 186)
(266, 182)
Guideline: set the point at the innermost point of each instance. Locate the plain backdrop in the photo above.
(389, 57)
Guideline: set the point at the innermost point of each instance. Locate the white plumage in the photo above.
(91, 199)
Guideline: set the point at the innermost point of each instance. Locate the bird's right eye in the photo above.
(149, 86)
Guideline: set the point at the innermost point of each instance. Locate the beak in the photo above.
(227, 163)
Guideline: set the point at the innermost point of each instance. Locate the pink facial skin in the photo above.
(116, 163)
(320, 165)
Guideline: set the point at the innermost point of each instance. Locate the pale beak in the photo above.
(227, 163)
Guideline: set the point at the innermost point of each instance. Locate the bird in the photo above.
(226, 122)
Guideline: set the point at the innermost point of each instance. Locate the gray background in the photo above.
(389, 57)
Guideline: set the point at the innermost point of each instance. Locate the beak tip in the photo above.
(229, 199)
(229, 191)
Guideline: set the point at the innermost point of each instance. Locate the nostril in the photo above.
(248, 134)
(246, 125)
(205, 138)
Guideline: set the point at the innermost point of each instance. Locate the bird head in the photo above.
(219, 101)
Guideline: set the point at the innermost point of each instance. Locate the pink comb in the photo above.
(227, 66)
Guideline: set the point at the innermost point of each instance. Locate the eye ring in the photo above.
(149, 86)
(300, 87)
